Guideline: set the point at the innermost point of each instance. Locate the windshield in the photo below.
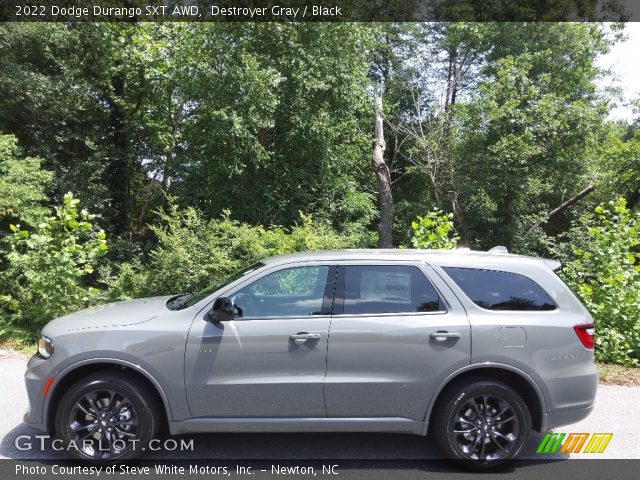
(209, 290)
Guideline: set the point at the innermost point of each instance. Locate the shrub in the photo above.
(22, 184)
(434, 230)
(193, 252)
(46, 268)
(605, 274)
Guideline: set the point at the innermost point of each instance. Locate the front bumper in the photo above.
(38, 370)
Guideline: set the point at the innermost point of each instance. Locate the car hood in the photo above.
(109, 315)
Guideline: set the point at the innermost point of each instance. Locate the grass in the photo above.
(16, 349)
(619, 375)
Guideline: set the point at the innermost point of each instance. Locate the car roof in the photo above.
(458, 255)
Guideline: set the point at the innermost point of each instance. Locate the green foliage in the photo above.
(497, 122)
(47, 267)
(435, 230)
(193, 252)
(22, 184)
(605, 274)
(527, 128)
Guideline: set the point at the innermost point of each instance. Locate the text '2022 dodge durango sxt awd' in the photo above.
(479, 348)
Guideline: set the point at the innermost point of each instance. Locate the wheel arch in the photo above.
(519, 380)
(75, 372)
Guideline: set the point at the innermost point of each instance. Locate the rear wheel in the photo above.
(482, 424)
(107, 417)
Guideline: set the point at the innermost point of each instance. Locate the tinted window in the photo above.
(495, 290)
(291, 292)
(372, 289)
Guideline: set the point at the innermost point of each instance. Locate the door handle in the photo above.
(300, 338)
(444, 336)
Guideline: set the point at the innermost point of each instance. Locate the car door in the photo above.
(270, 360)
(394, 337)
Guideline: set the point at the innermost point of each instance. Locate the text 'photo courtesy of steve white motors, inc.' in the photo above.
(176, 471)
(192, 12)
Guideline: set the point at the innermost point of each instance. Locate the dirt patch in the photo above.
(618, 375)
(10, 349)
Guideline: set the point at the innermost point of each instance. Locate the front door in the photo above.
(270, 361)
(394, 338)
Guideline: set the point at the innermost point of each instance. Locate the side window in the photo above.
(495, 290)
(371, 289)
(292, 292)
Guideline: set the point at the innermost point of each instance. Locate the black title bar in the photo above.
(319, 10)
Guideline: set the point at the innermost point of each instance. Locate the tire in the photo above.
(497, 439)
(108, 417)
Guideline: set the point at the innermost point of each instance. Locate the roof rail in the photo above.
(499, 249)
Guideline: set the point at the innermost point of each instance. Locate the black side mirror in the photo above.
(222, 311)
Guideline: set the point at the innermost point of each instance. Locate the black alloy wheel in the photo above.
(482, 423)
(108, 417)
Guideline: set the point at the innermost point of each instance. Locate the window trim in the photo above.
(327, 297)
(503, 311)
(338, 302)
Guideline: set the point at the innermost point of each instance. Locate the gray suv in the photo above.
(479, 348)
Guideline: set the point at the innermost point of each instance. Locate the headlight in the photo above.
(45, 347)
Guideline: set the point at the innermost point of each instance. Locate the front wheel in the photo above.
(107, 417)
(482, 424)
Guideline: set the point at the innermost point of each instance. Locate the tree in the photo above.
(23, 184)
(387, 75)
(527, 128)
(383, 177)
(300, 122)
(441, 63)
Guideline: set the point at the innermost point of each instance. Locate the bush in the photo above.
(605, 274)
(22, 184)
(434, 230)
(193, 253)
(46, 269)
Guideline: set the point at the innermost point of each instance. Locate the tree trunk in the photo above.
(452, 196)
(117, 172)
(383, 178)
(565, 205)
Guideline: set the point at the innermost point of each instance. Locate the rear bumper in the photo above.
(571, 384)
(565, 417)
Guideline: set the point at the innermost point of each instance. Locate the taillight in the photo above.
(586, 333)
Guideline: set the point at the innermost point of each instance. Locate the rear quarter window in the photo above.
(496, 290)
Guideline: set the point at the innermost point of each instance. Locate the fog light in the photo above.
(45, 347)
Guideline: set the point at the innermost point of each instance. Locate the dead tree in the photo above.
(383, 177)
(564, 206)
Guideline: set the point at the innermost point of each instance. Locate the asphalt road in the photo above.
(616, 411)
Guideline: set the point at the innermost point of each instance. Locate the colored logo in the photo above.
(574, 442)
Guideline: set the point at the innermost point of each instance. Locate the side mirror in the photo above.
(222, 311)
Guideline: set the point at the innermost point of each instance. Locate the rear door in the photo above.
(396, 334)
